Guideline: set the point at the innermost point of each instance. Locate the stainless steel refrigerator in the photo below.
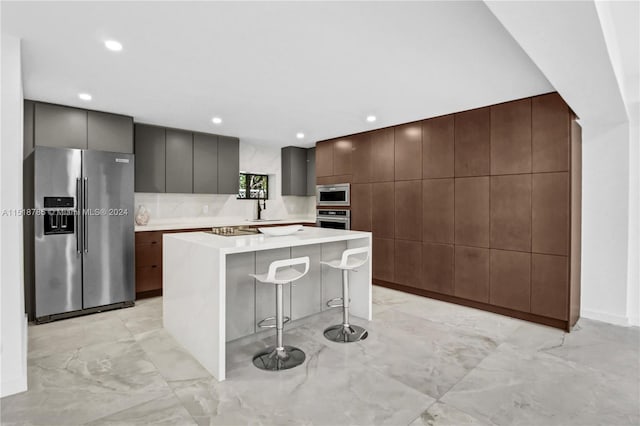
(83, 232)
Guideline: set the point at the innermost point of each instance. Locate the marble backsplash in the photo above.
(253, 158)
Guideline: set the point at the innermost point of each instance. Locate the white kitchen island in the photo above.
(210, 299)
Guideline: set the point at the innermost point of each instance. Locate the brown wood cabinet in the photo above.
(472, 142)
(511, 137)
(324, 158)
(479, 208)
(437, 147)
(408, 151)
(148, 263)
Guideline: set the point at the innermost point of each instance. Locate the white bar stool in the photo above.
(345, 332)
(280, 357)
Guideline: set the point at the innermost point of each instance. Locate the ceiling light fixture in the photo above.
(216, 120)
(113, 45)
(84, 96)
(300, 135)
(371, 118)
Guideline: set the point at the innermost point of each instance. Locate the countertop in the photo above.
(257, 242)
(210, 222)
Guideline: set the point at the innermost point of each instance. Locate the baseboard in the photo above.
(605, 317)
(634, 321)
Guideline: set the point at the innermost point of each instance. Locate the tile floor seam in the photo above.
(121, 411)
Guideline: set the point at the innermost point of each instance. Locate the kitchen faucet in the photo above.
(264, 207)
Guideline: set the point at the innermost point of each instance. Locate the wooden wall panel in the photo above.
(437, 147)
(383, 210)
(361, 158)
(361, 207)
(550, 213)
(383, 259)
(549, 286)
(550, 133)
(472, 142)
(382, 155)
(471, 277)
(510, 275)
(408, 151)
(437, 267)
(472, 211)
(408, 210)
(511, 212)
(324, 158)
(511, 137)
(408, 263)
(437, 211)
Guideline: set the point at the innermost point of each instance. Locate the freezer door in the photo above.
(58, 260)
(108, 262)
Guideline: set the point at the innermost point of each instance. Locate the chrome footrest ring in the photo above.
(262, 324)
(336, 302)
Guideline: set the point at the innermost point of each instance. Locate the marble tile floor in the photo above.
(425, 362)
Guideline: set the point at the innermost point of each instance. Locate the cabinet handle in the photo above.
(154, 266)
(154, 242)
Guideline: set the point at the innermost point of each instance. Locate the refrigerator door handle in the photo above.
(85, 237)
(78, 215)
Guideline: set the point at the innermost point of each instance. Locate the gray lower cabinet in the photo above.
(179, 161)
(228, 164)
(241, 293)
(60, 126)
(266, 293)
(311, 172)
(306, 294)
(109, 132)
(29, 113)
(205, 163)
(150, 158)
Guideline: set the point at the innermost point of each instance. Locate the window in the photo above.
(253, 186)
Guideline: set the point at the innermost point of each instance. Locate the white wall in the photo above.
(14, 322)
(633, 279)
(253, 158)
(605, 220)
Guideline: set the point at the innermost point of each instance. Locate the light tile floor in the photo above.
(425, 362)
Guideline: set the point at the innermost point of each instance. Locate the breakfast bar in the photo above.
(210, 298)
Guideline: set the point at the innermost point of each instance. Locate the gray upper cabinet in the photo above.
(179, 161)
(29, 107)
(294, 170)
(298, 171)
(149, 158)
(311, 172)
(205, 163)
(60, 126)
(109, 132)
(228, 164)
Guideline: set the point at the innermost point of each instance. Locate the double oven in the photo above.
(333, 203)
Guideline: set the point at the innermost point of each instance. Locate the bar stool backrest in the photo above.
(349, 261)
(274, 267)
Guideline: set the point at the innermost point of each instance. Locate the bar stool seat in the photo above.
(346, 332)
(279, 356)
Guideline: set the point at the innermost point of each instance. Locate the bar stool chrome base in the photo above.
(274, 359)
(345, 333)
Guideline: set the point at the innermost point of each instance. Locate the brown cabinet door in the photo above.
(408, 151)
(361, 158)
(324, 158)
(382, 210)
(472, 211)
(342, 157)
(550, 213)
(383, 259)
(382, 155)
(471, 276)
(511, 212)
(509, 284)
(361, 207)
(437, 268)
(408, 201)
(437, 211)
(550, 133)
(148, 254)
(408, 263)
(472, 142)
(437, 147)
(549, 286)
(511, 137)
(148, 278)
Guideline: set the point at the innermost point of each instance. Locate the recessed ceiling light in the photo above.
(300, 135)
(84, 96)
(216, 120)
(371, 118)
(113, 45)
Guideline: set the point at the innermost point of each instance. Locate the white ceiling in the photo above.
(271, 69)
